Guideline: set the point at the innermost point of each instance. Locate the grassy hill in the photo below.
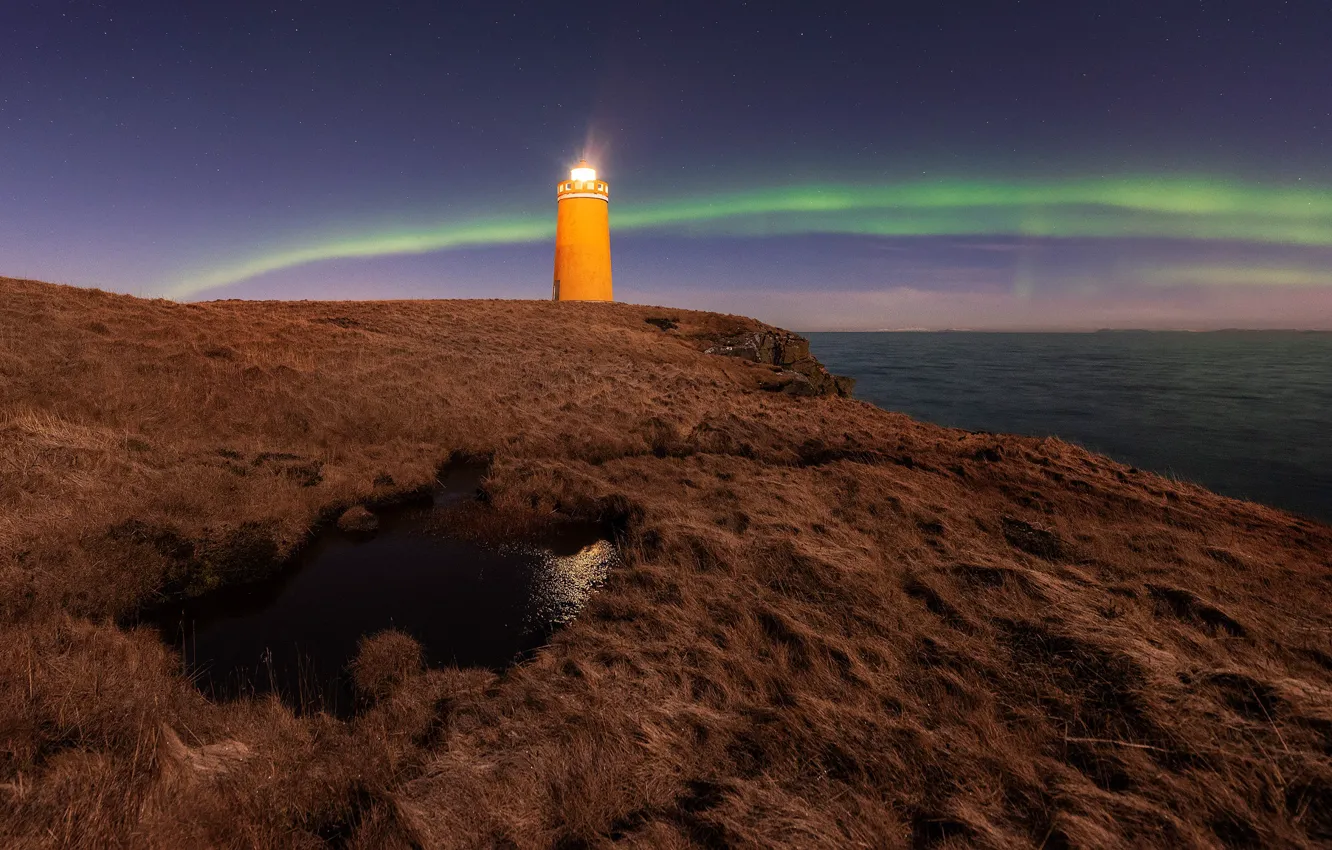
(835, 627)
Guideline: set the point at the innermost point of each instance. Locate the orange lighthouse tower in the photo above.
(582, 238)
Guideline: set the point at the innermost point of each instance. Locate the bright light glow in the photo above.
(582, 173)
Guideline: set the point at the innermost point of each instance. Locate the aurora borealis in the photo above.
(1152, 165)
(1171, 208)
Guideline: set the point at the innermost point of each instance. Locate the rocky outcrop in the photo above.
(358, 520)
(795, 372)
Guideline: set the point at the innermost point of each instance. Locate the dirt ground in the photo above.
(835, 626)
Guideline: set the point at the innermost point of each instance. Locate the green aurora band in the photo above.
(1202, 209)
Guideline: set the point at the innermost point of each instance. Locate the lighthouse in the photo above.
(582, 238)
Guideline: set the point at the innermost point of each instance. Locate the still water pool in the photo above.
(468, 603)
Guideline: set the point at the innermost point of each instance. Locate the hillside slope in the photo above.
(836, 626)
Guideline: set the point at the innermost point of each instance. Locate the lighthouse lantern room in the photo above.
(582, 238)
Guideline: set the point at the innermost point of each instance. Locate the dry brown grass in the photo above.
(836, 627)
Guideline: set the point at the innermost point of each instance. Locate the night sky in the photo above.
(1032, 164)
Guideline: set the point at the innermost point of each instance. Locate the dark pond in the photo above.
(468, 603)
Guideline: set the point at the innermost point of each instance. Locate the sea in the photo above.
(1244, 413)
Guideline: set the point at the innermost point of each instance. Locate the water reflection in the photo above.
(469, 603)
(561, 584)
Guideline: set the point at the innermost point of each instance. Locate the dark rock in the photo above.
(800, 373)
(357, 519)
(780, 348)
(662, 322)
(791, 383)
